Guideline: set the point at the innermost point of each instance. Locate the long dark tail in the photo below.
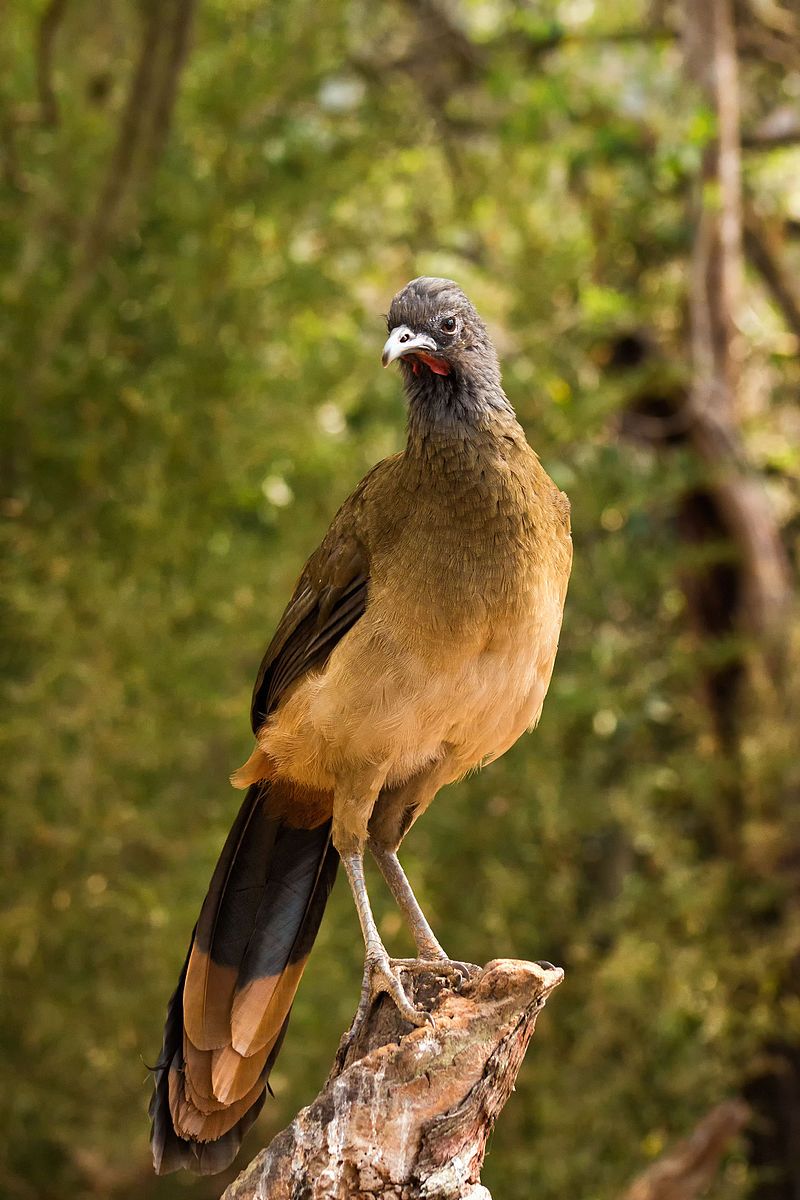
(228, 1015)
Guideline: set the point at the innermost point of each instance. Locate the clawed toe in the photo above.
(448, 967)
(385, 976)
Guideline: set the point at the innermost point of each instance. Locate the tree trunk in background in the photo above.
(710, 54)
(714, 304)
(406, 1113)
(752, 597)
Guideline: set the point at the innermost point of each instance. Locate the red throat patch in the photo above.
(439, 366)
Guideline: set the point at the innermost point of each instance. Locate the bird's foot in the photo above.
(436, 964)
(386, 975)
(383, 974)
(431, 957)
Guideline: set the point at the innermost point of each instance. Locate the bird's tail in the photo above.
(229, 1013)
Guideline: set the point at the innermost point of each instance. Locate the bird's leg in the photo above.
(392, 871)
(353, 802)
(380, 973)
(395, 812)
(431, 955)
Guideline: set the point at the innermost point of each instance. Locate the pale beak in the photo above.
(402, 341)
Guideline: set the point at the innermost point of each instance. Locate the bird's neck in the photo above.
(443, 410)
(459, 447)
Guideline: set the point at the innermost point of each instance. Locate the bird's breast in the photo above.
(456, 648)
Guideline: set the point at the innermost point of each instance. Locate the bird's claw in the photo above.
(439, 965)
(383, 974)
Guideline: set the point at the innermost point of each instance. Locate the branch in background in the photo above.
(763, 251)
(559, 37)
(52, 17)
(439, 34)
(408, 1112)
(121, 167)
(689, 1168)
(142, 132)
(10, 171)
(174, 57)
(772, 141)
(781, 127)
(435, 24)
(94, 238)
(769, 31)
(16, 117)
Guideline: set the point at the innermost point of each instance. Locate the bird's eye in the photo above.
(448, 325)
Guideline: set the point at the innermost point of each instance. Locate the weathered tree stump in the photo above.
(406, 1113)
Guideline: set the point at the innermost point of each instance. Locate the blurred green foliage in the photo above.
(180, 429)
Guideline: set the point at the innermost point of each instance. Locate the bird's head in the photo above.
(439, 339)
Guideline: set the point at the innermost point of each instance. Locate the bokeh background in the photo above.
(205, 209)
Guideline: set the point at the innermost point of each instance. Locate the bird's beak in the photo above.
(402, 341)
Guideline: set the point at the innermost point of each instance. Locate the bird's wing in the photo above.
(330, 596)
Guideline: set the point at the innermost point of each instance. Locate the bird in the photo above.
(418, 645)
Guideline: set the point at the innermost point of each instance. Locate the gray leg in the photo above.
(353, 802)
(389, 866)
(394, 813)
(380, 973)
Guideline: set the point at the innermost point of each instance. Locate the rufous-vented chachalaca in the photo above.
(418, 644)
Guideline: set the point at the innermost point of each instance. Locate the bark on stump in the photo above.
(405, 1113)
